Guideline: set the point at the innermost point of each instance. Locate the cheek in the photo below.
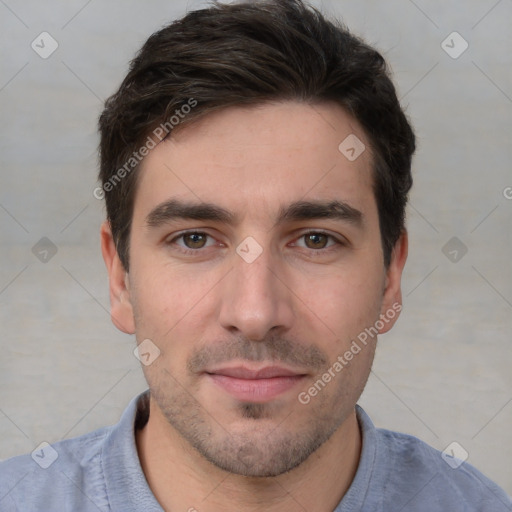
(344, 301)
(172, 305)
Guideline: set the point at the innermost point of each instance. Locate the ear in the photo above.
(392, 299)
(121, 310)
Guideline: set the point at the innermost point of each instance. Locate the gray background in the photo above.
(443, 373)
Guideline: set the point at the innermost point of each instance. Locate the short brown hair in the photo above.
(245, 54)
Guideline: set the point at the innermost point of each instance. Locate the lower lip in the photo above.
(256, 390)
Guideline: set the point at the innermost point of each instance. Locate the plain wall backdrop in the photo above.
(443, 373)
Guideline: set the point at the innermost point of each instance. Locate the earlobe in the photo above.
(121, 310)
(392, 299)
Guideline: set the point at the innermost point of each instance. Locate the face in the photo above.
(255, 264)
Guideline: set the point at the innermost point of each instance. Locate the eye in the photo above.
(191, 241)
(317, 240)
(194, 240)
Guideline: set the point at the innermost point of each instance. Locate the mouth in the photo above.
(255, 385)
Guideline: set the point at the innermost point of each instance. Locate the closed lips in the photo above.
(263, 373)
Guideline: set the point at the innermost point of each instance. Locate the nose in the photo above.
(256, 298)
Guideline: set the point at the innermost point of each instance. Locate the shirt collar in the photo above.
(127, 487)
(356, 494)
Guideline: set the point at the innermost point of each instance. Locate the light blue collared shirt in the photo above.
(101, 472)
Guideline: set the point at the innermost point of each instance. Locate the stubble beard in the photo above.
(256, 446)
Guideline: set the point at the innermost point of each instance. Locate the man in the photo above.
(255, 164)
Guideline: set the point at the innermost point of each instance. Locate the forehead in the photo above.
(257, 159)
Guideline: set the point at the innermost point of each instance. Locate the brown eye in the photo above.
(316, 240)
(194, 240)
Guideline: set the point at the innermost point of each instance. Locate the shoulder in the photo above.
(417, 473)
(65, 472)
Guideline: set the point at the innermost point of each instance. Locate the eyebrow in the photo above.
(299, 210)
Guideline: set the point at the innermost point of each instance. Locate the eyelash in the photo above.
(187, 251)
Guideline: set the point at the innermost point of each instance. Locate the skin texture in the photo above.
(299, 304)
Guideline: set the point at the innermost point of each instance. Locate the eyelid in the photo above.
(338, 239)
(181, 234)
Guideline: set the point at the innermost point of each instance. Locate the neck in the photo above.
(182, 479)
